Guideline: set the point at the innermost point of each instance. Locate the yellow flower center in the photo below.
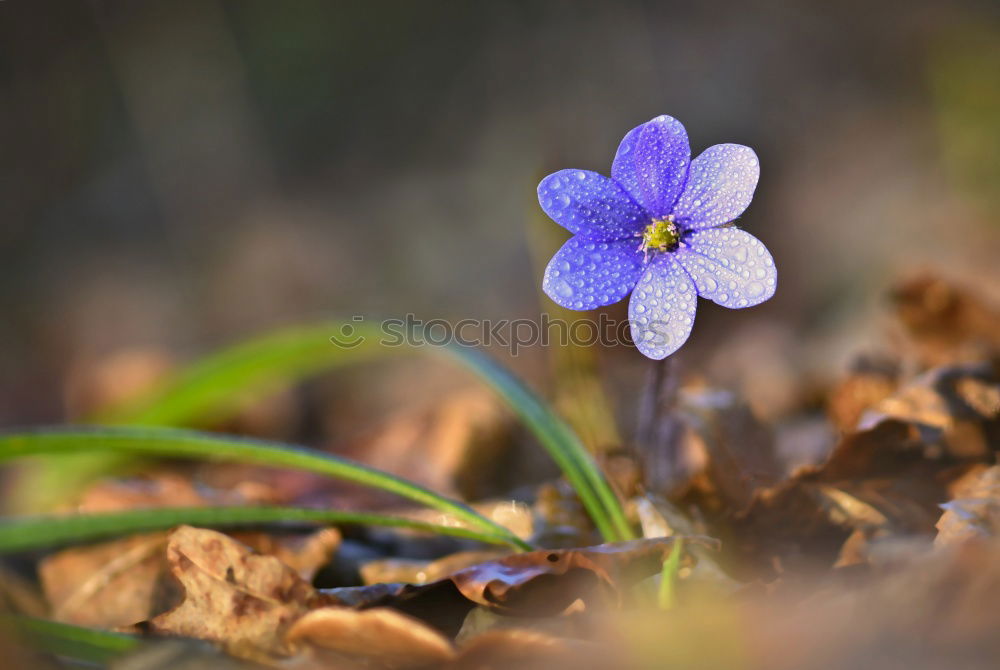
(661, 235)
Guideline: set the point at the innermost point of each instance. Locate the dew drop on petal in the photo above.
(731, 267)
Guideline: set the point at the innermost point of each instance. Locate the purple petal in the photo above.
(720, 185)
(586, 274)
(590, 204)
(652, 163)
(662, 307)
(729, 266)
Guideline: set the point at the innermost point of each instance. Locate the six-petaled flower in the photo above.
(661, 228)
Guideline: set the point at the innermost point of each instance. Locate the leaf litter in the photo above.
(840, 560)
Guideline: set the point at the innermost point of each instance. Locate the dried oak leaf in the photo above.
(232, 596)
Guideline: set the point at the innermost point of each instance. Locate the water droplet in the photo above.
(563, 288)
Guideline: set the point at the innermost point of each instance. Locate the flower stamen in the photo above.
(660, 235)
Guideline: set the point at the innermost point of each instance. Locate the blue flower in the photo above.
(658, 228)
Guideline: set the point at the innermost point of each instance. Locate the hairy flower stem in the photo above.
(659, 430)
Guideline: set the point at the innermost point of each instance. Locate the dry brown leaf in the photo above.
(874, 474)
(422, 572)
(305, 554)
(231, 595)
(110, 584)
(946, 323)
(868, 383)
(974, 512)
(958, 408)
(885, 479)
(540, 583)
(380, 637)
(121, 582)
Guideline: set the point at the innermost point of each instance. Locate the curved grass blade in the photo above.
(666, 596)
(558, 439)
(221, 384)
(23, 534)
(207, 388)
(77, 642)
(168, 442)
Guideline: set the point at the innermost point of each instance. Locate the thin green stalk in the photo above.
(219, 384)
(41, 532)
(77, 642)
(558, 439)
(668, 577)
(189, 444)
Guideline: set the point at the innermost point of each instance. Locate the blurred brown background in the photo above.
(177, 175)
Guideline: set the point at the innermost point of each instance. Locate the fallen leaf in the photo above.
(541, 583)
(379, 637)
(232, 596)
(121, 582)
(803, 522)
(957, 407)
(868, 382)
(422, 572)
(109, 584)
(304, 553)
(974, 512)
(946, 323)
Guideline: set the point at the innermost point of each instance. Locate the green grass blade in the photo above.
(83, 644)
(172, 443)
(219, 385)
(210, 389)
(23, 534)
(666, 597)
(558, 439)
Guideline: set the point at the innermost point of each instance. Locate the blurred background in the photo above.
(179, 175)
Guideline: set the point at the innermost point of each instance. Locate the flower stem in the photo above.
(659, 430)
